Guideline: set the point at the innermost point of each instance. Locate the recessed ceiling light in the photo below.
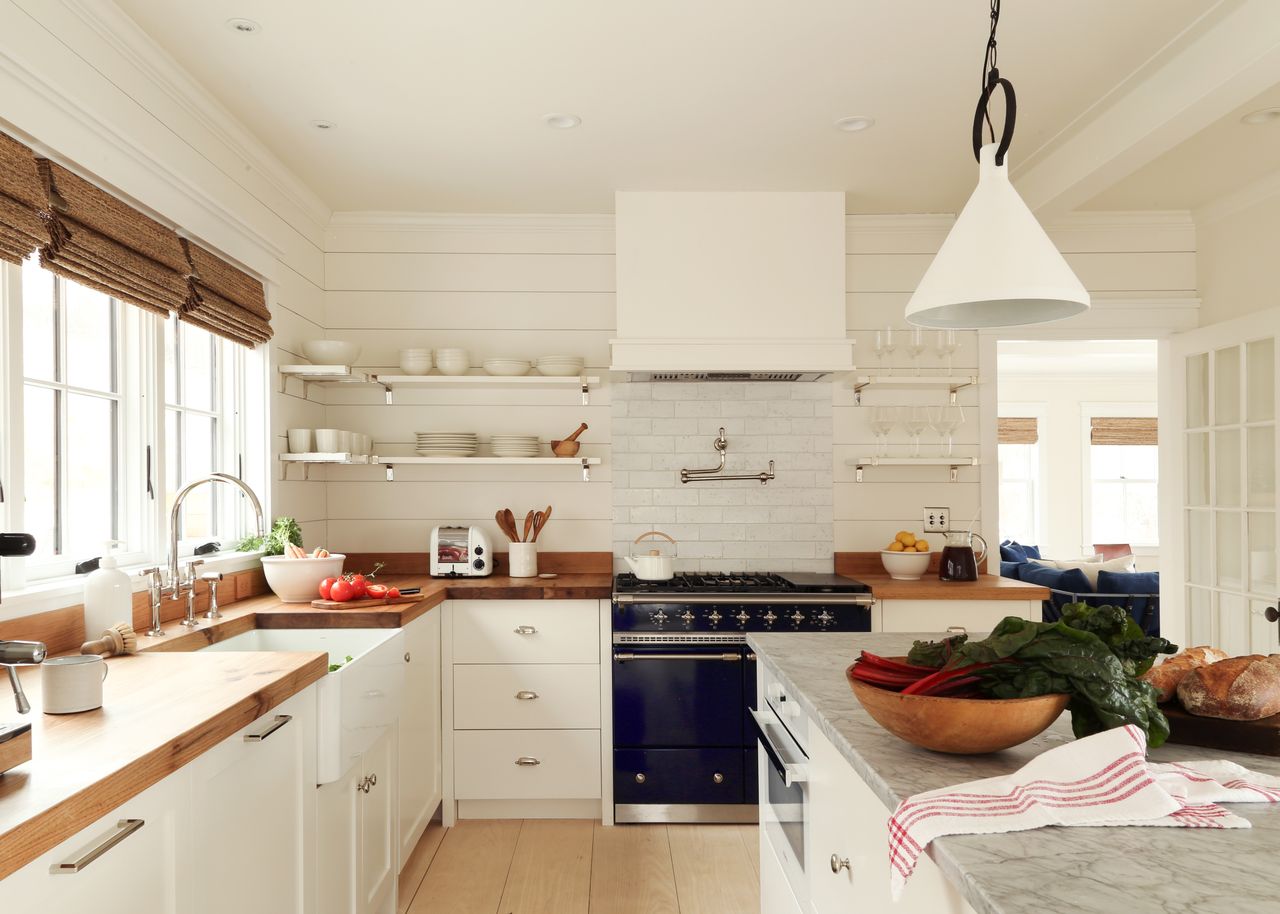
(854, 124)
(324, 125)
(561, 121)
(244, 26)
(1262, 116)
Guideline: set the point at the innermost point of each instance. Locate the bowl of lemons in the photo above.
(907, 557)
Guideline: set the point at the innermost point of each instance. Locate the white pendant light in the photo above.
(997, 266)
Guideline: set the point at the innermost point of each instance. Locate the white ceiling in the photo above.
(438, 104)
(1084, 359)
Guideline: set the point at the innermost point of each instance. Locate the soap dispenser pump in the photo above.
(108, 595)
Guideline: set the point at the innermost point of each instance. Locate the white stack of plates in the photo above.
(448, 444)
(515, 445)
(507, 368)
(560, 366)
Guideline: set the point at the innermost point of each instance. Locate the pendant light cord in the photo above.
(991, 78)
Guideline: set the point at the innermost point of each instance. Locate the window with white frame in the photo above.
(111, 409)
(1123, 500)
(1019, 498)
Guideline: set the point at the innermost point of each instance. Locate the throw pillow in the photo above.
(1090, 568)
(1012, 552)
(1010, 569)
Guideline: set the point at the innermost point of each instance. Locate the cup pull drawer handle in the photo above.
(280, 721)
(124, 828)
(525, 630)
(840, 863)
(526, 695)
(528, 761)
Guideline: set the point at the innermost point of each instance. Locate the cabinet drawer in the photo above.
(678, 776)
(526, 696)
(560, 764)
(526, 631)
(939, 615)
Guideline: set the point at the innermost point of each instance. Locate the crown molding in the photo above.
(113, 26)
(890, 223)
(395, 221)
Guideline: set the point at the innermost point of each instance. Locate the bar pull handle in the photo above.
(526, 695)
(123, 829)
(525, 630)
(528, 761)
(280, 721)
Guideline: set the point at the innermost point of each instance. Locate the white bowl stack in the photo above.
(453, 361)
(560, 366)
(448, 444)
(515, 445)
(415, 361)
(331, 352)
(506, 368)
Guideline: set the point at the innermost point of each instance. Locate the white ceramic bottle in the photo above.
(108, 596)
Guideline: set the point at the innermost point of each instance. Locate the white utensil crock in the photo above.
(72, 684)
(524, 560)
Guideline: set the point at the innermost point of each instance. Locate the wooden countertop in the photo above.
(159, 712)
(987, 587)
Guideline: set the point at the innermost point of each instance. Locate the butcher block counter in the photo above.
(160, 712)
(987, 587)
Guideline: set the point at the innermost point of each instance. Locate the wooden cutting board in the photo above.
(366, 604)
(1261, 737)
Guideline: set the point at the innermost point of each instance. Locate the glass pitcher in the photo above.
(959, 563)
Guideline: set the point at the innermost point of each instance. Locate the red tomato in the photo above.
(393, 593)
(359, 583)
(342, 591)
(325, 586)
(375, 591)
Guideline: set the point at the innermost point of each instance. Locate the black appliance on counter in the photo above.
(16, 543)
(684, 749)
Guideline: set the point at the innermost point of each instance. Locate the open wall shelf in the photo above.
(911, 382)
(390, 383)
(583, 463)
(952, 463)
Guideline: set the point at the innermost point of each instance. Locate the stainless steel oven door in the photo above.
(784, 797)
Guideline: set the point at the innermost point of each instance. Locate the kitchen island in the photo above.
(1129, 869)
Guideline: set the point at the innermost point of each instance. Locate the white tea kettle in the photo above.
(652, 565)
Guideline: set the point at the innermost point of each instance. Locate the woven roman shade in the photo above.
(225, 300)
(1120, 430)
(1017, 431)
(22, 200)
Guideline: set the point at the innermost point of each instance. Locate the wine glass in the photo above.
(947, 345)
(883, 419)
(945, 420)
(915, 419)
(885, 344)
(915, 346)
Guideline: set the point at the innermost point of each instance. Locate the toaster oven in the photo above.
(460, 552)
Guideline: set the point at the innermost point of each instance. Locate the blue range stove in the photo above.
(684, 748)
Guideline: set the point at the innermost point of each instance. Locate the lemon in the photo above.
(902, 535)
(896, 546)
(922, 545)
(907, 539)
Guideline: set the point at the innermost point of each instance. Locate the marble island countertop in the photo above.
(1133, 870)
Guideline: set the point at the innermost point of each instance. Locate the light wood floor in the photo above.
(575, 866)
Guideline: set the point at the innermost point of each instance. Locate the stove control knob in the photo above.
(769, 617)
(640, 778)
(687, 617)
(742, 617)
(714, 617)
(825, 618)
(658, 617)
(796, 617)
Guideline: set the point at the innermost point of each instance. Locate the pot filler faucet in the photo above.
(181, 581)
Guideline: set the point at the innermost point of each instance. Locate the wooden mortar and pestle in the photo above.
(569, 446)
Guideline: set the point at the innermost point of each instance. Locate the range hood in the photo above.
(730, 286)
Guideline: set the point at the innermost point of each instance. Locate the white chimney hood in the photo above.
(742, 285)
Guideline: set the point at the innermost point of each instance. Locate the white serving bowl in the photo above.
(298, 580)
(506, 368)
(331, 352)
(415, 361)
(905, 566)
(453, 367)
(560, 366)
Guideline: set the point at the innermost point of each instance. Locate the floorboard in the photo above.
(551, 870)
(713, 872)
(751, 840)
(631, 871)
(415, 868)
(469, 871)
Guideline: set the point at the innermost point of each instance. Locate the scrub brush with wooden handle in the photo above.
(118, 639)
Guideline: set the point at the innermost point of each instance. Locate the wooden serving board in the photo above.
(1261, 737)
(366, 604)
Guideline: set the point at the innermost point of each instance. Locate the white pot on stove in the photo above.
(653, 564)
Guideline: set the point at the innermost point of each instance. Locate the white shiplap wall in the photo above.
(519, 287)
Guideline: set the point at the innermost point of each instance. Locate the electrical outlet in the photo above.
(937, 520)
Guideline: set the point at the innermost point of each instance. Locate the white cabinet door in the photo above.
(940, 615)
(253, 812)
(131, 861)
(776, 896)
(1219, 526)
(338, 838)
(419, 783)
(379, 844)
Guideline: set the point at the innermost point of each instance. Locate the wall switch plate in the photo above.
(937, 520)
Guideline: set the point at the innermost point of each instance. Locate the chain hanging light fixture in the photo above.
(997, 266)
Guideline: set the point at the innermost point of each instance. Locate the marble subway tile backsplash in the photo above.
(658, 429)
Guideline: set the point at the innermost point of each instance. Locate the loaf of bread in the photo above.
(1166, 676)
(1242, 688)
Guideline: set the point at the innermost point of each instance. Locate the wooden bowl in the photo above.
(960, 726)
(565, 448)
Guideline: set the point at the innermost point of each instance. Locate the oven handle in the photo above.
(791, 772)
(626, 655)
(776, 599)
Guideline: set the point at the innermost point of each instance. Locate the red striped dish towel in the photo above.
(1103, 779)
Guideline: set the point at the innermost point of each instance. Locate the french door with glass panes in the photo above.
(1221, 394)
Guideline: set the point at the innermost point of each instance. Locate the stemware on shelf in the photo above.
(883, 419)
(945, 420)
(947, 345)
(885, 344)
(915, 419)
(915, 346)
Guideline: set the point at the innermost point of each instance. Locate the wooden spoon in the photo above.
(501, 519)
(508, 525)
(540, 521)
(528, 527)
